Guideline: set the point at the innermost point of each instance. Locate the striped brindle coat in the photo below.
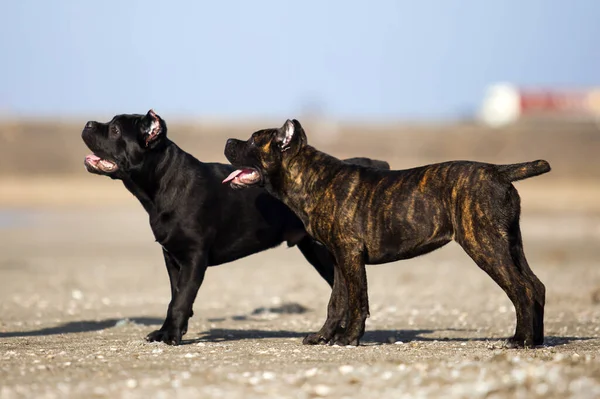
(369, 216)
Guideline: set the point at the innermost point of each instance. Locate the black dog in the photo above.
(368, 216)
(197, 220)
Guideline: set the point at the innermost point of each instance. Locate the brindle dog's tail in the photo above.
(520, 171)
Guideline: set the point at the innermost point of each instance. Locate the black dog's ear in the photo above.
(153, 127)
(290, 133)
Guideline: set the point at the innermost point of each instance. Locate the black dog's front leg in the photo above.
(173, 271)
(185, 278)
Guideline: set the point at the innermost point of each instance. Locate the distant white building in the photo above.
(505, 103)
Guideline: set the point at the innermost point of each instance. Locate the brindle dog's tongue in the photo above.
(233, 175)
(238, 173)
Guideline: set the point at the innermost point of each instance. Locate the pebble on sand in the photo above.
(322, 390)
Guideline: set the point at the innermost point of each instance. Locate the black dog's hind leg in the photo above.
(318, 256)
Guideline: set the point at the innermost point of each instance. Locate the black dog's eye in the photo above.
(114, 131)
(252, 141)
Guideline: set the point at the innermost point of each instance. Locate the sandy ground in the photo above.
(80, 287)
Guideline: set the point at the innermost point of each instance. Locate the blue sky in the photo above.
(234, 59)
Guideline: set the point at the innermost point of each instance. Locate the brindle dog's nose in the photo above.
(90, 125)
(229, 142)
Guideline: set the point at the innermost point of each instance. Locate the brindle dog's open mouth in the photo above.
(243, 177)
(94, 162)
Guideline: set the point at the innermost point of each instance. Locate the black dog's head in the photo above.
(122, 144)
(260, 159)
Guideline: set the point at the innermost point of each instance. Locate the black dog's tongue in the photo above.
(92, 158)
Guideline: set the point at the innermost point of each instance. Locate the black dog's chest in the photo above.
(164, 228)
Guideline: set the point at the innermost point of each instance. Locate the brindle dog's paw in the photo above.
(167, 336)
(315, 339)
(344, 340)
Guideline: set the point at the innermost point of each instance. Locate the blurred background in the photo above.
(410, 82)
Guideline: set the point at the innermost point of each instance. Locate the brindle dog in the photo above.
(369, 216)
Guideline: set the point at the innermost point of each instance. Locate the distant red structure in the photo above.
(506, 103)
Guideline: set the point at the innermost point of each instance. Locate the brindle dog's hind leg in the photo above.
(493, 241)
(538, 290)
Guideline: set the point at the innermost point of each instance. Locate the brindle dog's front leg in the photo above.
(337, 312)
(352, 265)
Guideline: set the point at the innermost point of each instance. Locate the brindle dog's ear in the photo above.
(289, 134)
(153, 127)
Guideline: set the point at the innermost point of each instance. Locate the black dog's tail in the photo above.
(373, 163)
(520, 171)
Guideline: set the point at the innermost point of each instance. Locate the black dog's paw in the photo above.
(315, 339)
(184, 330)
(520, 343)
(166, 336)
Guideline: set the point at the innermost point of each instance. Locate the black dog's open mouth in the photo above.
(243, 177)
(95, 163)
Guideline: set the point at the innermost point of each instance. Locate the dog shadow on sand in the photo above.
(82, 327)
(371, 337)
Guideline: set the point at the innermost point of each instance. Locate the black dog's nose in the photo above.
(90, 125)
(229, 151)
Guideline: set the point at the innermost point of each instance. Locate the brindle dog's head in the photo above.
(260, 159)
(121, 145)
